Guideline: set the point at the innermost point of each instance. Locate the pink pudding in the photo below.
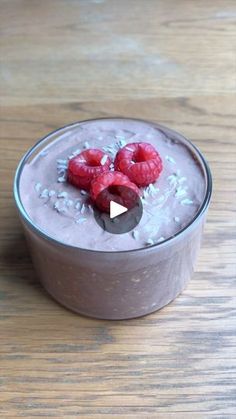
(65, 212)
(89, 269)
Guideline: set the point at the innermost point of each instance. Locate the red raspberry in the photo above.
(84, 167)
(113, 186)
(140, 162)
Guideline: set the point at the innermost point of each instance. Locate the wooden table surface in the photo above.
(167, 61)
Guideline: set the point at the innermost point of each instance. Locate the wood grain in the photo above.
(169, 61)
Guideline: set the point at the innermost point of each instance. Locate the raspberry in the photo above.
(140, 162)
(113, 186)
(84, 167)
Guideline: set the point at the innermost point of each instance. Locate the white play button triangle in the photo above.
(116, 218)
(116, 209)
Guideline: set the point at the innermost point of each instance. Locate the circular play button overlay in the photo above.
(125, 210)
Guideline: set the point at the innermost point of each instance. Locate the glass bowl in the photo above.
(114, 284)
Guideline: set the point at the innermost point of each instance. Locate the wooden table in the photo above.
(168, 61)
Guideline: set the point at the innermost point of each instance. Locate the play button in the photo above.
(125, 210)
(116, 209)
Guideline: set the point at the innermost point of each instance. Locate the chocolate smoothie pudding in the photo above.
(89, 269)
(65, 212)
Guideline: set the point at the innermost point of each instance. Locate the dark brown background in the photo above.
(168, 61)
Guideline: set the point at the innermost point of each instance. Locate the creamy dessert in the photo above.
(60, 192)
(66, 213)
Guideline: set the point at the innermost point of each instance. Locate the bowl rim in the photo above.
(43, 234)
